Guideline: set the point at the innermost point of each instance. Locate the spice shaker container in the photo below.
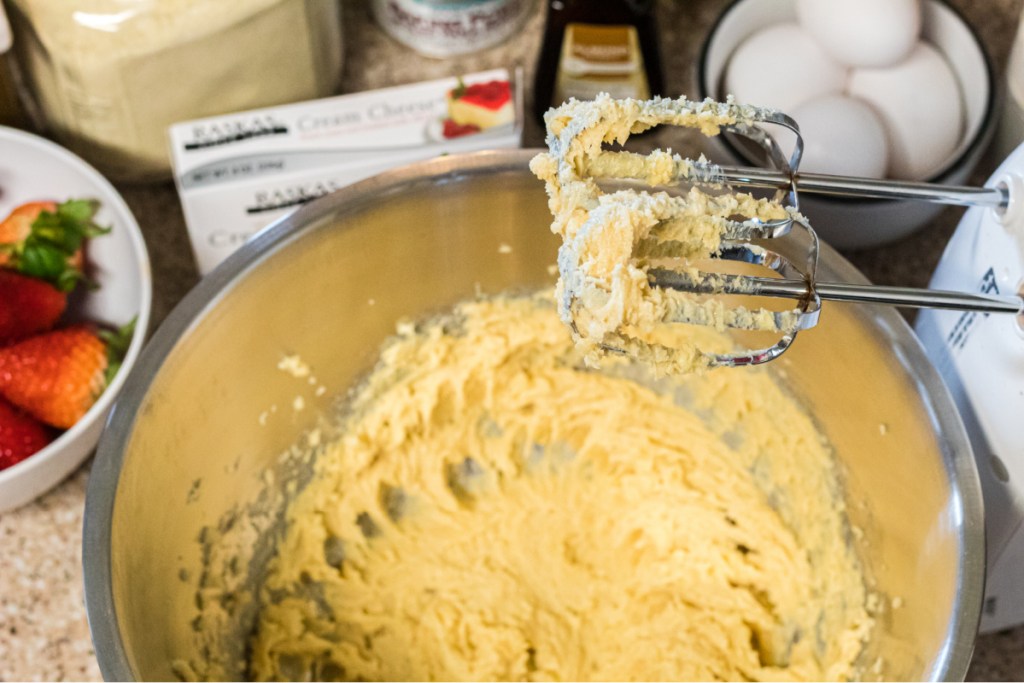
(447, 28)
(107, 77)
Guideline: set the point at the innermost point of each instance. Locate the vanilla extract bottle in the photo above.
(591, 47)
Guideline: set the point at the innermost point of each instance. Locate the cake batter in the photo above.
(496, 509)
(610, 240)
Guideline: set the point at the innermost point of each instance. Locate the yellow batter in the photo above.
(611, 240)
(497, 510)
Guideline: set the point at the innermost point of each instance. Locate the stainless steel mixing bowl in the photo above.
(206, 412)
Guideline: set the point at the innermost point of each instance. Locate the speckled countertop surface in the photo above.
(43, 629)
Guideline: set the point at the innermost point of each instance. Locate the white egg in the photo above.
(782, 67)
(842, 136)
(921, 107)
(871, 33)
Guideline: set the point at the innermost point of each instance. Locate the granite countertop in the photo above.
(43, 629)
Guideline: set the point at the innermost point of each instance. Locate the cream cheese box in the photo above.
(240, 172)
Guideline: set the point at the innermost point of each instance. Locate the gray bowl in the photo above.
(194, 436)
(863, 223)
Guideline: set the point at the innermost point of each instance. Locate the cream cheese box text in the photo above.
(238, 173)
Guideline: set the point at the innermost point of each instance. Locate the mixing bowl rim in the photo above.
(111, 655)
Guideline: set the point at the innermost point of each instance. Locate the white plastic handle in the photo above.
(1012, 216)
(5, 32)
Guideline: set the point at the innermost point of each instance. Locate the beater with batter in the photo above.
(631, 259)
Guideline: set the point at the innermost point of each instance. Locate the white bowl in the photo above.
(32, 168)
(861, 223)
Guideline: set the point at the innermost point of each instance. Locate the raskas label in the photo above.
(289, 155)
(220, 132)
(226, 132)
(288, 197)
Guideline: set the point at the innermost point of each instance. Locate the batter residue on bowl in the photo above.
(497, 510)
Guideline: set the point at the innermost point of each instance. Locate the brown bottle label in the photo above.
(597, 58)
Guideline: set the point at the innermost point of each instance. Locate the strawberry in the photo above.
(455, 130)
(491, 95)
(44, 240)
(18, 225)
(27, 306)
(57, 376)
(20, 435)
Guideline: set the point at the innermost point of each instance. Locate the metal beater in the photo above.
(799, 280)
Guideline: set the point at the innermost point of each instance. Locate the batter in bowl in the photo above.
(496, 509)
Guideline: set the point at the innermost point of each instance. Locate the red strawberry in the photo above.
(44, 240)
(456, 130)
(20, 435)
(492, 94)
(27, 306)
(18, 225)
(58, 375)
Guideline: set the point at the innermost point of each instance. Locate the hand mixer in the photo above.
(798, 280)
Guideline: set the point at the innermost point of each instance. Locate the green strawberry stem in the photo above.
(460, 89)
(55, 238)
(117, 342)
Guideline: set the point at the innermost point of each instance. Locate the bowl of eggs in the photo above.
(886, 89)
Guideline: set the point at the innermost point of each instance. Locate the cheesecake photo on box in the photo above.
(476, 107)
